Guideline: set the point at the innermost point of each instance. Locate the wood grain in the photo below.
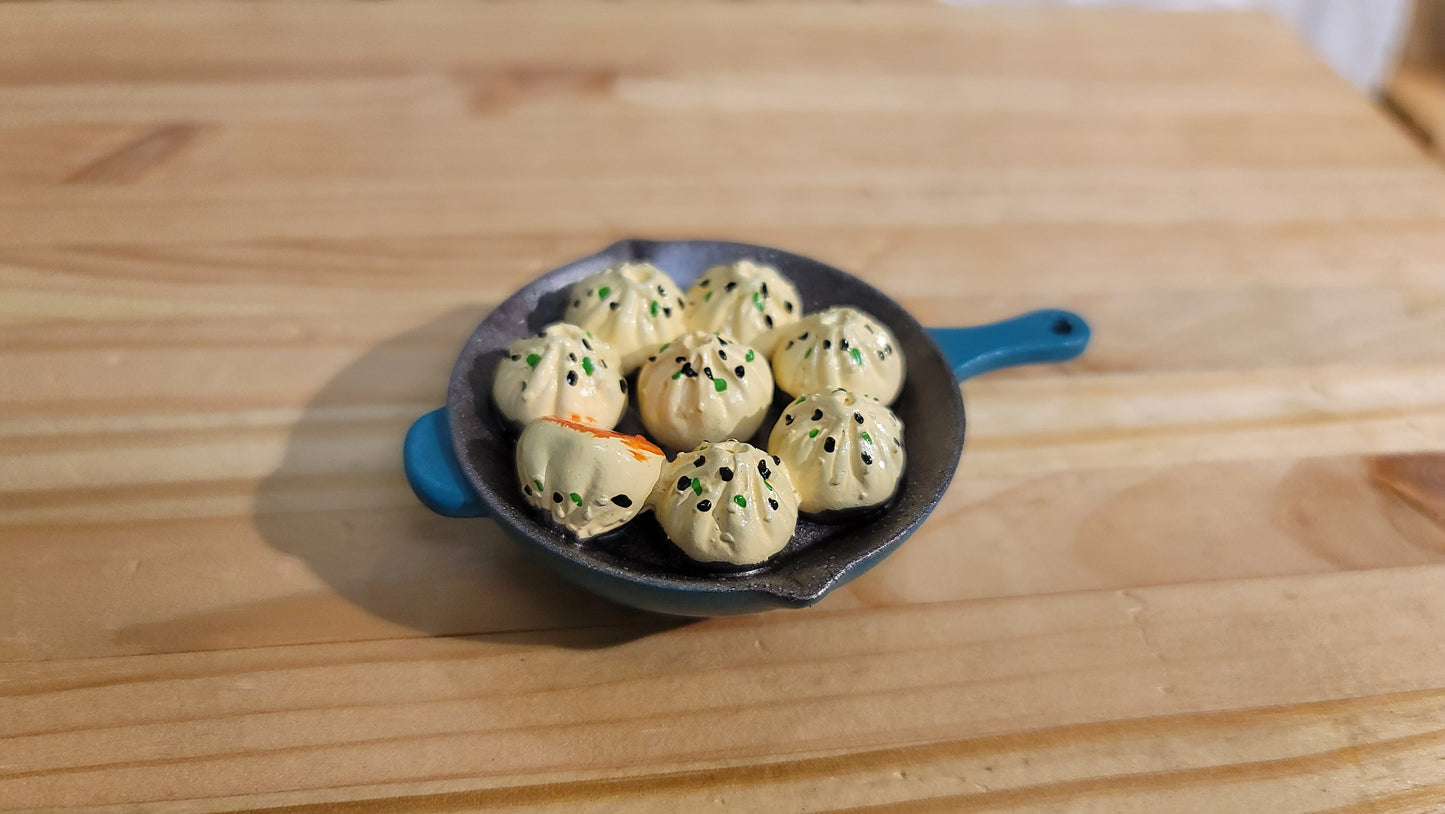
(1197, 569)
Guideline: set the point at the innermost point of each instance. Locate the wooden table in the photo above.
(1200, 569)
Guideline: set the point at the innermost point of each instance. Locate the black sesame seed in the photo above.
(516, 358)
(572, 357)
(661, 292)
(725, 473)
(572, 377)
(704, 505)
(576, 303)
(803, 337)
(683, 482)
(788, 419)
(790, 344)
(867, 459)
(556, 497)
(688, 371)
(763, 469)
(858, 417)
(586, 344)
(652, 358)
(777, 460)
(667, 312)
(817, 415)
(701, 460)
(707, 371)
(730, 286)
(843, 344)
(768, 320)
(723, 355)
(881, 356)
(704, 282)
(614, 306)
(788, 306)
(524, 385)
(622, 500)
(622, 383)
(827, 343)
(527, 489)
(739, 371)
(772, 504)
(680, 359)
(589, 292)
(765, 289)
(869, 326)
(722, 341)
(829, 444)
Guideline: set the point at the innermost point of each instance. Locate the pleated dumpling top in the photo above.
(726, 503)
(633, 307)
(746, 301)
(703, 387)
(562, 372)
(840, 347)
(844, 451)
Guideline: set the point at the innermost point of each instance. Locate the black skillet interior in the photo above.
(820, 554)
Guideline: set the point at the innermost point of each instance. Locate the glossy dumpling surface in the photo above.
(561, 372)
(840, 347)
(843, 451)
(588, 479)
(747, 301)
(633, 307)
(726, 503)
(703, 387)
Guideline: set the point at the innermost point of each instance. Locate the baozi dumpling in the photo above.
(562, 371)
(747, 301)
(726, 503)
(589, 479)
(840, 347)
(843, 451)
(703, 387)
(633, 307)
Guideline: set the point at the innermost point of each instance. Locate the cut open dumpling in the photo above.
(590, 480)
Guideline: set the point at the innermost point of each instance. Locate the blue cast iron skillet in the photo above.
(459, 459)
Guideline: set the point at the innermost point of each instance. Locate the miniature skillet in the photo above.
(460, 459)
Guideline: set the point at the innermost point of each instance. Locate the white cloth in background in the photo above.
(1360, 38)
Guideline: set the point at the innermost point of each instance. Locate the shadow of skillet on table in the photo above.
(339, 503)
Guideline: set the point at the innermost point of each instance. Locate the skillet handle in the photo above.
(1038, 336)
(433, 471)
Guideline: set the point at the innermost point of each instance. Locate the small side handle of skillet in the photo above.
(1039, 336)
(1050, 335)
(433, 471)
